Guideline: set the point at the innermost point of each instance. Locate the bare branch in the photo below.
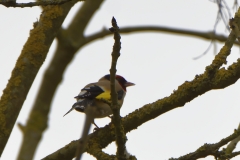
(53, 74)
(232, 145)
(96, 150)
(209, 149)
(125, 30)
(27, 66)
(223, 14)
(38, 118)
(119, 131)
(234, 154)
(84, 137)
(33, 4)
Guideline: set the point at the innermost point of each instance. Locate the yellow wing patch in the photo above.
(105, 95)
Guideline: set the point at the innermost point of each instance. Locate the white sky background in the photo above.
(156, 62)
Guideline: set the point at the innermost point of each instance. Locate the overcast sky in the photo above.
(156, 62)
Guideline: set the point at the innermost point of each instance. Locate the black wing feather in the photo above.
(90, 92)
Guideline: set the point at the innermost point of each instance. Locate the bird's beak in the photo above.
(127, 84)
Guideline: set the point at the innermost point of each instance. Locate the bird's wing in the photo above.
(100, 90)
(90, 91)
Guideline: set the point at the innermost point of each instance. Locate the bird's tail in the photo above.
(68, 111)
(80, 105)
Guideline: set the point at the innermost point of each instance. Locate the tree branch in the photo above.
(38, 118)
(232, 145)
(33, 4)
(125, 30)
(209, 149)
(96, 150)
(27, 66)
(84, 137)
(119, 131)
(234, 154)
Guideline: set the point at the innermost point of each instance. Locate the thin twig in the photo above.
(33, 4)
(84, 138)
(128, 30)
(119, 131)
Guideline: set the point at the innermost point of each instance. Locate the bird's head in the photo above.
(121, 80)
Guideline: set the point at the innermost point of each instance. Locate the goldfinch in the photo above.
(93, 96)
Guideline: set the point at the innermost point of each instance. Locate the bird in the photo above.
(95, 98)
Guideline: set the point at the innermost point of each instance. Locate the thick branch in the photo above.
(33, 55)
(33, 4)
(96, 150)
(119, 131)
(38, 118)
